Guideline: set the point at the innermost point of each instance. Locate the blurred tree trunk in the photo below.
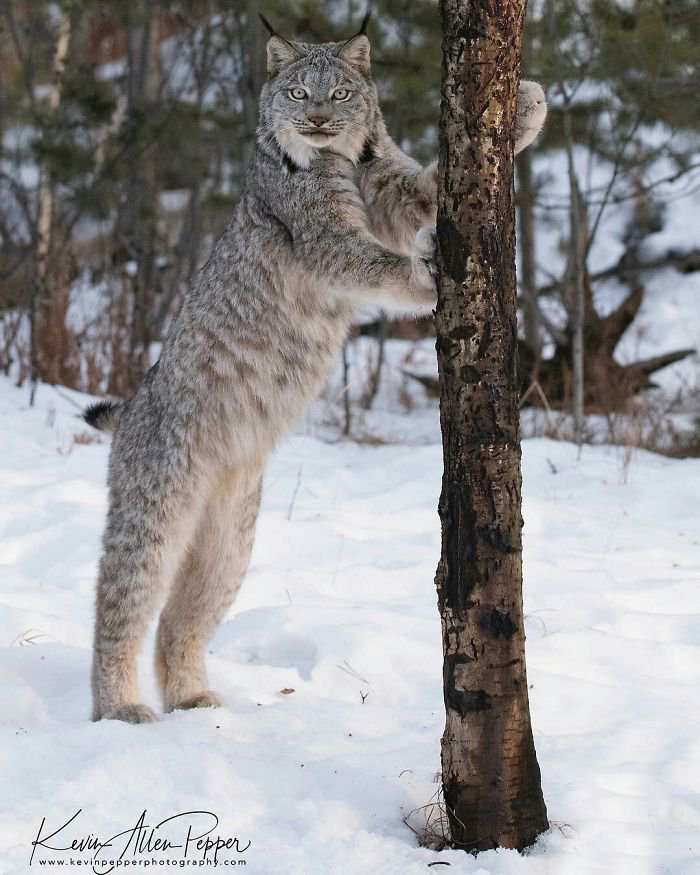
(528, 271)
(136, 222)
(491, 779)
(526, 226)
(396, 127)
(254, 73)
(576, 273)
(49, 300)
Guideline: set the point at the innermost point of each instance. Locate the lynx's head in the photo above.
(319, 97)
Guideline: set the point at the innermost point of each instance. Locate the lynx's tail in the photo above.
(103, 415)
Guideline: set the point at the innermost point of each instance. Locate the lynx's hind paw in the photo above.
(131, 714)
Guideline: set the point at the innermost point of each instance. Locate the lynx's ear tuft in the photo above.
(280, 54)
(365, 21)
(356, 53)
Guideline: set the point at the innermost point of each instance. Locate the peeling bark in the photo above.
(491, 778)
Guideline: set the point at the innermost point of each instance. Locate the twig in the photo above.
(296, 490)
(67, 398)
(611, 182)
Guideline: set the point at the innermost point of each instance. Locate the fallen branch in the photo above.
(629, 265)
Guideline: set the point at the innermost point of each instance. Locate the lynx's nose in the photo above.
(319, 120)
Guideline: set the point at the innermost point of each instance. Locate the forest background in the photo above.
(126, 129)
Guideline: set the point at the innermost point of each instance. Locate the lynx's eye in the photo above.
(341, 94)
(297, 93)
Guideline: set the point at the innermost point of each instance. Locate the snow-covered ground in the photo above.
(339, 604)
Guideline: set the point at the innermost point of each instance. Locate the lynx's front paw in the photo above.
(424, 272)
(425, 245)
(530, 114)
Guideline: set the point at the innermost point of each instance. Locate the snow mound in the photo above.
(339, 611)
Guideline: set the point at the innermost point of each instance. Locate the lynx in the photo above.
(333, 217)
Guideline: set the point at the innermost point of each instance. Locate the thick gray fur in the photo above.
(333, 217)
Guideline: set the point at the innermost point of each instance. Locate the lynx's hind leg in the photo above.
(146, 535)
(207, 583)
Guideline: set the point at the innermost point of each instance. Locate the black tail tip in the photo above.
(101, 415)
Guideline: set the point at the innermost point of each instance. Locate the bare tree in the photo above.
(43, 302)
(528, 261)
(578, 246)
(491, 779)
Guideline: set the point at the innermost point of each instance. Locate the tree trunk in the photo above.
(48, 304)
(254, 74)
(491, 779)
(528, 269)
(528, 261)
(576, 300)
(137, 219)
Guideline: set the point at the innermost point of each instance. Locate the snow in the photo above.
(111, 70)
(667, 320)
(339, 603)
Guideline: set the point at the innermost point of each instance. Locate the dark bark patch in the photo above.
(459, 545)
(471, 31)
(491, 247)
(453, 249)
(470, 374)
(497, 538)
(497, 622)
(467, 701)
(462, 332)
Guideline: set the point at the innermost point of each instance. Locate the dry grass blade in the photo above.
(429, 823)
(348, 669)
(31, 636)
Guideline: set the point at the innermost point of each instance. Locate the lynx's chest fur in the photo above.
(256, 339)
